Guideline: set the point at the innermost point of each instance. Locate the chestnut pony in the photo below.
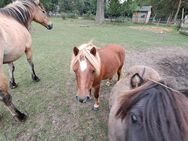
(91, 65)
(151, 112)
(15, 39)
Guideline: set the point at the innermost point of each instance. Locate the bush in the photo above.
(72, 15)
(63, 15)
(88, 16)
(69, 15)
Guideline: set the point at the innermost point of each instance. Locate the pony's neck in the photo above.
(20, 13)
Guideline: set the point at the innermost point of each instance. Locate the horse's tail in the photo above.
(136, 80)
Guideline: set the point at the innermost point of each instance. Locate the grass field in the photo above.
(53, 111)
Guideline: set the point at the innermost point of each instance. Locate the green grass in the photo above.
(53, 111)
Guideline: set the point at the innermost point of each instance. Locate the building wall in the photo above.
(140, 17)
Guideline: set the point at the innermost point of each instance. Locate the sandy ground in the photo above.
(171, 63)
(152, 29)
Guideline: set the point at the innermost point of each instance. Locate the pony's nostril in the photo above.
(50, 26)
(81, 100)
(88, 98)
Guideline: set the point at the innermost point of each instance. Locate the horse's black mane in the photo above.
(20, 10)
(165, 112)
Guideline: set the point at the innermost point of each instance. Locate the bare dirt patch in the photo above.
(170, 62)
(152, 29)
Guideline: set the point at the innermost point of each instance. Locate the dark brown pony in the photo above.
(91, 65)
(151, 112)
(15, 39)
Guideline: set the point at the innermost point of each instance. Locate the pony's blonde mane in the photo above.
(84, 50)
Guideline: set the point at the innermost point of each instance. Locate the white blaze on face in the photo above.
(83, 65)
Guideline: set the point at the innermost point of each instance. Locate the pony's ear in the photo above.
(37, 1)
(76, 51)
(136, 80)
(93, 51)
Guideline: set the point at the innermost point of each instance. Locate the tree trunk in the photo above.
(178, 9)
(100, 12)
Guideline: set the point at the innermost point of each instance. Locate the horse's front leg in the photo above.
(12, 82)
(7, 99)
(28, 53)
(96, 95)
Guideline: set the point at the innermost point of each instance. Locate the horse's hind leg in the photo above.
(12, 82)
(7, 99)
(28, 53)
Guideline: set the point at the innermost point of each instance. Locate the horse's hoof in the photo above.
(21, 117)
(13, 85)
(95, 109)
(35, 78)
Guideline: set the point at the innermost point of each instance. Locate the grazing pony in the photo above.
(91, 65)
(15, 39)
(151, 112)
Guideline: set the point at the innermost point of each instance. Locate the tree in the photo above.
(128, 7)
(114, 8)
(178, 9)
(50, 5)
(4, 2)
(100, 12)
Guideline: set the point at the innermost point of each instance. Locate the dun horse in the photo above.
(151, 112)
(91, 65)
(15, 39)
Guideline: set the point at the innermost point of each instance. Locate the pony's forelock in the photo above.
(84, 50)
(165, 116)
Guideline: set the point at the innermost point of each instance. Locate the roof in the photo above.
(145, 8)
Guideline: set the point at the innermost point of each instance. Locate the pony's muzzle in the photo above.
(83, 99)
(49, 26)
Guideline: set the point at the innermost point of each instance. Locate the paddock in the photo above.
(54, 113)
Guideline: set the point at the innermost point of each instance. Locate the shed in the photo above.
(184, 26)
(142, 15)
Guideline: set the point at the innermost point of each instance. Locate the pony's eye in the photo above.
(93, 71)
(43, 11)
(134, 118)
